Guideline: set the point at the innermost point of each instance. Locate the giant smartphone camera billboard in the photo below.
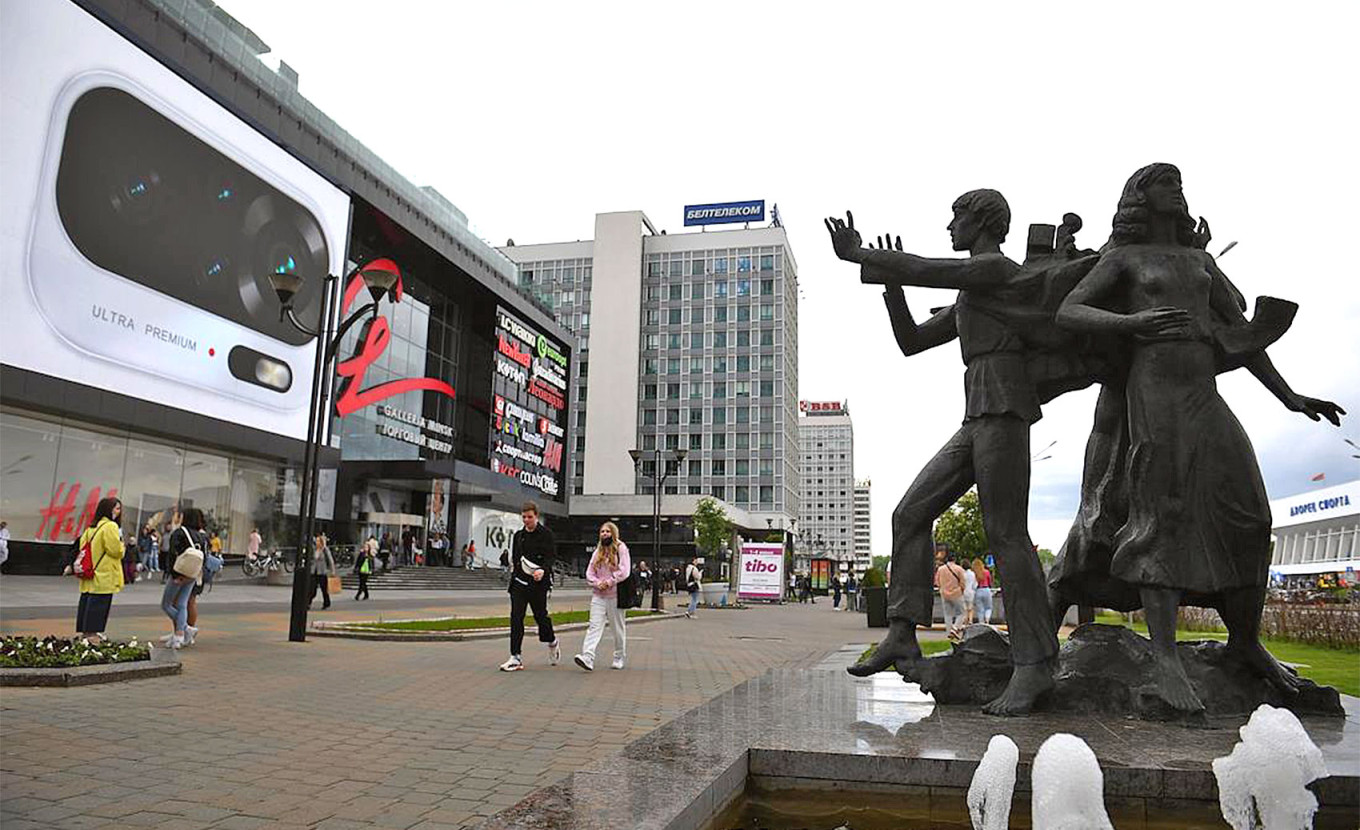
(143, 223)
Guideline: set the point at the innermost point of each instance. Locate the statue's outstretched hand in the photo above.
(1316, 408)
(844, 238)
(1202, 234)
(885, 243)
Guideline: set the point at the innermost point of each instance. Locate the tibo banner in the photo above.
(762, 571)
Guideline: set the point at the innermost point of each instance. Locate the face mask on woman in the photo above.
(606, 539)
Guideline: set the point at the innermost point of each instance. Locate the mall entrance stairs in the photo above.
(419, 578)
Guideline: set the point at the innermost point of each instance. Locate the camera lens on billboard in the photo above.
(134, 198)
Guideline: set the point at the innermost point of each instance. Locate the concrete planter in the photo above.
(278, 576)
(163, 662)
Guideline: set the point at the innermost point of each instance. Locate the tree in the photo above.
(1046, 558)
(960, 528)
(881, 562)
(712, 528)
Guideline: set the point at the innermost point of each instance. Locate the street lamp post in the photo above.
(659, 476)
(380, 276)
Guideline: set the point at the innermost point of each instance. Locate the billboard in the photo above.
(762, 571)
(529, 405)
(143, 223)
(725, 213)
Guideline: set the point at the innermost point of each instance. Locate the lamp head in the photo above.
(680, 455)
(636, 455)
(286, 285)
(382, 277)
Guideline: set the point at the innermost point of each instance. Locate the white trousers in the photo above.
(602, 608)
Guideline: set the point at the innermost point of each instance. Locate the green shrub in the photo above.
(873, 578)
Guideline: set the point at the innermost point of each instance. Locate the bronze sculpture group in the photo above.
(1173, 508)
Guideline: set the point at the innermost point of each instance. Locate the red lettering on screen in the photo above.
(511, 349)
(552, 455)
(373, 341)
(547, 394)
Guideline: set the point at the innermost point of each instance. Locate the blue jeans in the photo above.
(175, 600)
(693, 601)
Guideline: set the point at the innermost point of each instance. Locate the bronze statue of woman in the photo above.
(1198, 521)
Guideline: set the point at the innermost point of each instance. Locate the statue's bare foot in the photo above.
(1264, 663)
(1173, 685)
(899, 646)
(1027, 685)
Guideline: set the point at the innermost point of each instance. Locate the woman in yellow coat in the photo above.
(106, 545)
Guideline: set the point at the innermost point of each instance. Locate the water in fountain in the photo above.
(1068, 786)
(1262, 785)
(989, 793)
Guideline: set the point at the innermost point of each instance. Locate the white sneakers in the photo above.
(554, 653)
(617, 664)
(190, 634)
(175, 642)
(513, 664)
(584, 662)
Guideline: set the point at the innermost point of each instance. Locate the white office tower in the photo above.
(863, 547)
(686, 341)
(826, 525)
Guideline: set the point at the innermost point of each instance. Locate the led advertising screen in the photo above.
(142, 225)
(529, 405)
(762, 571)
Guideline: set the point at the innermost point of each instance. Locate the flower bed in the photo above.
(61, 652)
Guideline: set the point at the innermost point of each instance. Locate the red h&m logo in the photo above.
(552, 455)
(373, 340)
(56, 520)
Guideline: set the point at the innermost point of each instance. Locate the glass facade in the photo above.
(56, 470)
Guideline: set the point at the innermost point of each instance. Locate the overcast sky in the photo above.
(534, 117)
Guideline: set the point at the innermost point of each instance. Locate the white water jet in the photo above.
(1262, 784)
(1068, 787)
(993, 784)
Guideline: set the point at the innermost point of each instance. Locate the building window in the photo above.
(649, 391)
(767, 363)
(744, 287)
(672, 443)
(720, 266)
(743, 314)
(743, 338)
(766, 312)
(696, 415)
(743, 414)
(719, 415)
(743, 363)
(696, 340)
(766, 496)
(719, 391)
(696, 269)
(719, 467)
(766, 288)
(696, 291)
(672, 391)
(718, 492)
(654, 268)
(743, 441)
(651, 317)
(696, 468)
(719, 339)
(720, 314)
(766, 467)
(697, 315)
(696, 389)
(694, 489)
(743, 494)
(696, 441)
(743, 467)
(767, 440)
(767, 389)
(720, 441)
(652, 341)
(743, 264)
(649, 417)
(767, 337)
(677, 267)
(767, 262)
(673, 316)
(673, 341)
(720, 289)
(720, 364)
(672, 365)
(649, 366)
(696, 365)
(743, 389)
(649, 443)
(676, 291)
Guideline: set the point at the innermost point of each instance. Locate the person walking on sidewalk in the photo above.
(693, 582)
(836, 592)
(106, 550)
(532, 552)
(609, 566)
(969, 591)
(982, 597)
(364, 564)
(180, 587)
(950, 579)
(323, 567)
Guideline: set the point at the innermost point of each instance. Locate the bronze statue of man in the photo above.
(991, 449)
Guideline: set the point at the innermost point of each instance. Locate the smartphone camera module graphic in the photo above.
(154, 243)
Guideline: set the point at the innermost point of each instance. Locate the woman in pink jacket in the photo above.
(608, 567)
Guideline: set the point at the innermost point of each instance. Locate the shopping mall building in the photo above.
(158, 172)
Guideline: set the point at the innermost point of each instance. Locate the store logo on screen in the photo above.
(373, 340)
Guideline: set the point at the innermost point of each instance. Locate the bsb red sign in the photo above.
(374, 337)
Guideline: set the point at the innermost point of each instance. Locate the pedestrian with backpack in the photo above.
(99, 564)
(608, 567)
(693, 582)
(186, 547)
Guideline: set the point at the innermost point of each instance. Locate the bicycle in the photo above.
(264, 563)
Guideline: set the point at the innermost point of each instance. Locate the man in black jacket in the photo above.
(532, 551)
